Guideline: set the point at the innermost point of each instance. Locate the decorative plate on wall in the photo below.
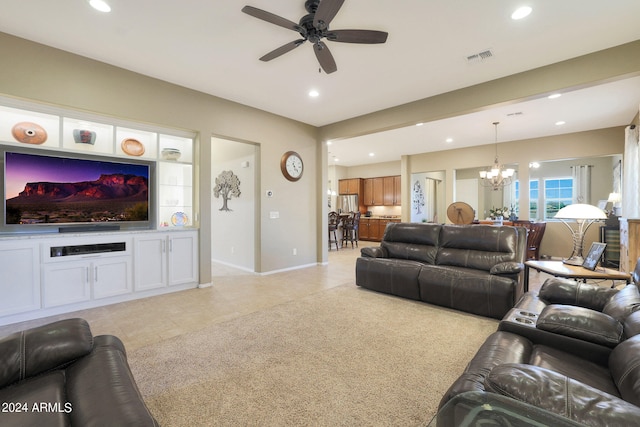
(132, 147)
(179, 219)
(29, 133)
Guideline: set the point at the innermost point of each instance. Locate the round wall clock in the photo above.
(291, 165)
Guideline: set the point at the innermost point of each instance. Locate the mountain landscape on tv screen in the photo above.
(112, 197)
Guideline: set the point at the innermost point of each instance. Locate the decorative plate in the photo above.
(29, 133)
(179, 219)
(132, 147)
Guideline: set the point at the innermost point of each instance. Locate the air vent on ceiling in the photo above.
(517, 113)
(479, 57)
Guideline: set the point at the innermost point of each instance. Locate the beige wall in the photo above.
(42, 74)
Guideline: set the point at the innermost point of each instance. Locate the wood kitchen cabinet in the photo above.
(350, 186)
(368, 228)
(374, 191)
(382, 191)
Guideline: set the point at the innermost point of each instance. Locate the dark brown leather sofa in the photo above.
(473, 268)
(61, 375)
(572, 349)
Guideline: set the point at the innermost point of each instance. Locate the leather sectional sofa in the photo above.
(473, 268)
(572, 349)
(61, 375)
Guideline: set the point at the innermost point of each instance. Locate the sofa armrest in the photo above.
(562, 395)
(374, 252)
(581, 323)
(556, 290)
(507, 268)
(34, 351)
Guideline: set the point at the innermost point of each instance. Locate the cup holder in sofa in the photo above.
(525, 321)
(527, 314)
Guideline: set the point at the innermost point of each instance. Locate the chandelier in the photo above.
(496, 176)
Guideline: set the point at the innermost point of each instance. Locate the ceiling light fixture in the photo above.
(560, 123)
(314, 93)
(449, 140)
(100, 5)
(496, 176)
(521, 12)
(554, 96)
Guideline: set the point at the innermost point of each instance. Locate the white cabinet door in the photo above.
(150, 264)
(183, 258)
(111, 277)
(19, 277)
(66, 283)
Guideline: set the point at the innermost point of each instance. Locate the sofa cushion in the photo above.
(102, 381)
(632, 325)
(46, 392)
(567, 291)
(582, 323)
(624, 364)
(574, 366)
(623, 303)
(562, 395)
(389, 275)
(477, 246)
(467, 289)
(40, 349)
(416, 242)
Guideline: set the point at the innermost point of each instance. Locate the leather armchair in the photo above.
(61, 375)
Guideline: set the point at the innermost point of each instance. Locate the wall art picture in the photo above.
(227, 186)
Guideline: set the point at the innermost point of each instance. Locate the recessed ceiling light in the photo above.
(329, 142)
(100, 5)
(521, 12)
(372, 154)
(449, 140)
(419, 124)
(314, 93)
(555, 95)
(560, 123)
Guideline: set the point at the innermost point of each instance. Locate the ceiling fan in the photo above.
(314, 27)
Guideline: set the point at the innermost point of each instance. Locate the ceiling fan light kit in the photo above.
(313, 28)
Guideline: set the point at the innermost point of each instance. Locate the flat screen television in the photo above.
(51, 191)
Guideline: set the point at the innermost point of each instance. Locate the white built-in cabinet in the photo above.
(165, 259)
(46, 275)
(19, 277)
(43, 275)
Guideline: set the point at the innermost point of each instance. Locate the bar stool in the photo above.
(333, 227)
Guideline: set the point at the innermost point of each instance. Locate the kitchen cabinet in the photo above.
(374, 191)
(350, 186)
(367, 228)
(382, 191)
(20, 283)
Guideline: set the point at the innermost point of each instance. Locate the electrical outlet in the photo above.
(233, 249)
(295, 251)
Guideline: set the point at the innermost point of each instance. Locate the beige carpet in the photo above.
(342, 357)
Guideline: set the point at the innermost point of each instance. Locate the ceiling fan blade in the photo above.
(327, 10)
(270, 17)
(325, 58)
(357, 36)
(282, 50)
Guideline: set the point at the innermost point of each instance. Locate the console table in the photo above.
(567, 271)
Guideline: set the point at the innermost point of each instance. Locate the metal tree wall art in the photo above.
(227, 186)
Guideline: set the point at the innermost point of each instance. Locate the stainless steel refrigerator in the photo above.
(347, 203)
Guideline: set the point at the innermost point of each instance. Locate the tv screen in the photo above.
(48, 189)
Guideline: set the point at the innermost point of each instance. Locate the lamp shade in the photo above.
(581, 211)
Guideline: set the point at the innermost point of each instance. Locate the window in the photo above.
(534, 193)
(558, 193)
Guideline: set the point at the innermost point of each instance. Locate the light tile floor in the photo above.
(234, 293)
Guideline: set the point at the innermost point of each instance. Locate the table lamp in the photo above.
(584, 215)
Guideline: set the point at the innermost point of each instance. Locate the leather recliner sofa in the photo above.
(473, 268)
(59, 374)
(572, 349)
